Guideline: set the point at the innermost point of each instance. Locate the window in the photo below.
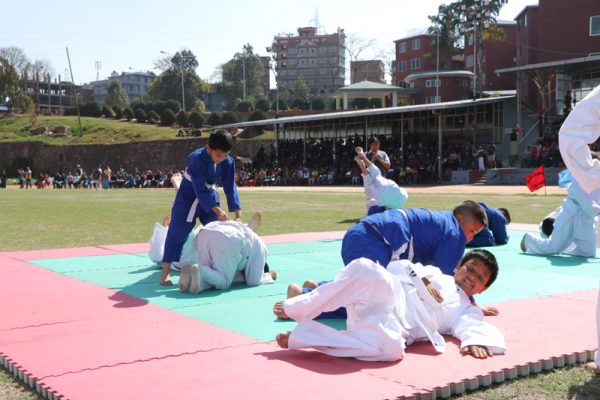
(402, 66)
(462, 83)
(292, 51)
(415, 63)
(432, 99)
(402, 47)
(416, 44)
(595, 25)
(469, 61)
(431, 83)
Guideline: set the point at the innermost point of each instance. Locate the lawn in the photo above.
(37, 219)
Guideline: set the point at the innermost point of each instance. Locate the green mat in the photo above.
(248, 310)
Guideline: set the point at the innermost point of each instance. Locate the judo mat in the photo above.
(92, 323)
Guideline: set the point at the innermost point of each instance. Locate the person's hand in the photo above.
(359, 150)
(221, 215)
(478, 351)
(273, 275)
(490, 311)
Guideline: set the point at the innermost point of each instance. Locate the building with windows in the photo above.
(53, 97)
(413, 54)
(318, 59)
(135, 84)
(367, 70)
(557, 58)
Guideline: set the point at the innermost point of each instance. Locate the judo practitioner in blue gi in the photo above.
(495, 233)
(197, 197)
(416, 234)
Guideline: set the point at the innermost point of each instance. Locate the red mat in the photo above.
(77, 340)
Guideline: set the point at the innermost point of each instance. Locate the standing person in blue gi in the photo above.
(381, 193)
(377, 156)
(197, 197)
(495, 233)
(390, 309)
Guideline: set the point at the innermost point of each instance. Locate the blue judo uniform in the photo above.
(196, 198)
(495, 233)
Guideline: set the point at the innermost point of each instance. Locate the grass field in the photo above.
(37, 219)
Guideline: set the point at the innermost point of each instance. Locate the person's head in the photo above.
(471, 217)
(506, 214)
(548, 226)
(476, 271)
(219, 145)
(374, 144)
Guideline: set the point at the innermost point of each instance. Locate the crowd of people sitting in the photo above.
(189, 132)
(545, 152)
(101, 177)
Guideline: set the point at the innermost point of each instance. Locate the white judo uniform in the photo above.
(574, 227)
(387, 311)
(380, 191)
(229, 251)
(582, 127)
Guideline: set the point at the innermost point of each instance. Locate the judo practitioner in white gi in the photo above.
(225, 252)
(381, 193)
(580, 129)
(390, 309)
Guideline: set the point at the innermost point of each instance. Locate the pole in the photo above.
(182, 85)
(439, 157)
(74, 92)
(244, 75)
(437, 68)
(474, 59)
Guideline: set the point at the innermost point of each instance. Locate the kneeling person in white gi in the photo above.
(390, 309)
(227, 252)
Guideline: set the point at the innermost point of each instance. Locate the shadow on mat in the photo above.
(315, 361)
(123, 300)
(561, 260)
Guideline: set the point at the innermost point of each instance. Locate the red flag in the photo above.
(536, 180)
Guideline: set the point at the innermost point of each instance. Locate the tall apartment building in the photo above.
(367, 70)
(318, 59)
(265, 80)
(411, 57)
(135, 84)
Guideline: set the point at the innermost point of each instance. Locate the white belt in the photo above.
(206, 185)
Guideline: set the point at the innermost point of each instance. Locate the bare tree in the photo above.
(355, 46)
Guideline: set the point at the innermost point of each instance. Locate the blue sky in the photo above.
(129, 34)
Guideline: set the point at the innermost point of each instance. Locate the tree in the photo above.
(152, 117)
(137, 104)
(128, 113)
(200, 107)
(118, 112)
(159, 106)
(23, 104)
(91, 109)
(257, 115)
(244, 106)
(173, 105)
(9, 79)
(107, 112)
(140, 115)
(374, 102)
(233, 71)
(214, 119)
(167, 85)
(318, 103)
(262, 104)
(298, 104)
(168, 117)
(355, 46)
(183, 119)
(196, 119)
(302, 90)
(229, 117)
(283, 105)
(116, 95)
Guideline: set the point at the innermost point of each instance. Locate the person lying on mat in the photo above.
(495, 232)
(389, 309)
(381, 193)
(417, 234)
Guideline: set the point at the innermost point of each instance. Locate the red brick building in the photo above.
(413, 54)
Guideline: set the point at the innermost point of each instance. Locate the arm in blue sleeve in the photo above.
(448, 254)
(500, 234)
(485, 238)
(229, 186)
(204, 195)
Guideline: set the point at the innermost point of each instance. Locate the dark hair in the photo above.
(373, 139)
(506, 214)
(548, 226)
(221, 140)
(485, 257)
(473, 209)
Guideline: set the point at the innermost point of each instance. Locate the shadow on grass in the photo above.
(588, 390)
(349, 221)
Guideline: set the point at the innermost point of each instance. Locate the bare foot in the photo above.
(185, 278)
(310, 284)
(361, 165)
(194, 284)
(165, 278)
(293, 290)
(255, 221)
(166, 220)
(279, 311)
(283, 339)
(273, 274)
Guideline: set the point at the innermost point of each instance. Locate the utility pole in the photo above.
(75, 93)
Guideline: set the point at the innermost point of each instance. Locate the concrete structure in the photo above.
(135, 84)
(367, 70)
(318, 59)
(562, 54)
(52, 97)
(370, 90)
